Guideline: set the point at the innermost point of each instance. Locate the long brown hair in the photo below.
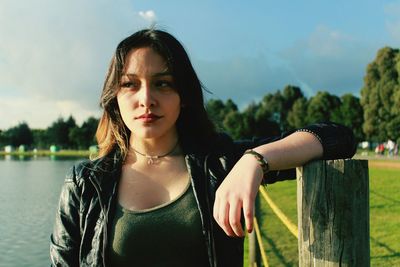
(193, 125)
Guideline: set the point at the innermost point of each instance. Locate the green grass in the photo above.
(385, 217)
(281, 245)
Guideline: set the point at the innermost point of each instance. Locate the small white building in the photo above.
(93, 149)
(21, 148)
(54, 148)
(365, 145)
(8, 149)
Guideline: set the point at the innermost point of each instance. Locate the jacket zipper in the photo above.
(209, 211)
(103, 209)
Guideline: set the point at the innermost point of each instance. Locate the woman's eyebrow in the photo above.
(157, 74)
(166, 73)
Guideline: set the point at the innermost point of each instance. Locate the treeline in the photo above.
(64, 133)
(286, 110)
(380, 97)
(374, 117)
(280, 111)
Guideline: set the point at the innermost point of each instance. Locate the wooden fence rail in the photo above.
(333, 214)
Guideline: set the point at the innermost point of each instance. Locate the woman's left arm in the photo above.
(239, 189)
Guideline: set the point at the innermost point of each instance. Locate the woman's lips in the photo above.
(148, 117)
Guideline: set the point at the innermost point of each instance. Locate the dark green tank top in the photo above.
(166, 235)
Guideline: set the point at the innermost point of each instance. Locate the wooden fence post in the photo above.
(333, 213)
(254, 249)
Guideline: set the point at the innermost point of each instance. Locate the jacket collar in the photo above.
(106, 170)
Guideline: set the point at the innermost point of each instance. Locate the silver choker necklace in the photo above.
(152, 159)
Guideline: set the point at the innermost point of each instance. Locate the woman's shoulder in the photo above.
(94, 169)
(83, 168)
(79, 171)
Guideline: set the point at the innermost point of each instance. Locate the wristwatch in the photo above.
(262, 161)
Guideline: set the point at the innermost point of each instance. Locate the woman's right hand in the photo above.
(237, 194)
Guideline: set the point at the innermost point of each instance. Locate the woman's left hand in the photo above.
(236, 193)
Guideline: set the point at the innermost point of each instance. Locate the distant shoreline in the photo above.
(87, 153)
(45, 153)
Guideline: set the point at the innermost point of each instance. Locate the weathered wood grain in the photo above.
(333, 213)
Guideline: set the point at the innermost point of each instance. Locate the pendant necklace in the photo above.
(152, 159)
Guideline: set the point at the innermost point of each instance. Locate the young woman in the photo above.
(167, 189)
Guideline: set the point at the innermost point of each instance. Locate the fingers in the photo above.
(248, 211)
(234, 218)
(226, 226)
(221, 212)
(235, 195)
(228, 214)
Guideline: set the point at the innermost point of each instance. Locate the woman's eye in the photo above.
(129, 85)
(164, 84)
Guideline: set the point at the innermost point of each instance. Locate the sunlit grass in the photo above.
(281, 245)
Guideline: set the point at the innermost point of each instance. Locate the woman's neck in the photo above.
(151, 150)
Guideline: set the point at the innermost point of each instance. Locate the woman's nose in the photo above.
(146, 98)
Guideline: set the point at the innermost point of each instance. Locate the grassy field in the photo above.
(281, 245)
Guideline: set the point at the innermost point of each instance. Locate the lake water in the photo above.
(29, 192)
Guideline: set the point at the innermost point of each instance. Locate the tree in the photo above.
(249, 122)
(323, 107)
(380, 96)
(257, 122)
(215, 109)
(40, 139)
(230, 106)
(19, 135)
(233, 123)
(83, 137)
(272, 107)
(265, 126)
(297, 115)
(58, 132)
(3, 139)
(278, 105)
(218, 110)
(291, 94)
(351, 115)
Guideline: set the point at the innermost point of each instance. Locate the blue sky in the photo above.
(54, 54)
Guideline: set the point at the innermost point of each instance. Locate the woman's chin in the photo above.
(148, 134)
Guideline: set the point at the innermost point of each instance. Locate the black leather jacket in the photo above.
(88, 198)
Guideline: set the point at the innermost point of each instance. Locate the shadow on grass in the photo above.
(395, 255)
(383, 206)
(395, 201)
(276, 251)
(383, 245)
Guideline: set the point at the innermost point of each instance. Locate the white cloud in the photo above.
(243, 79)
(325, 42)
(67, 108)
(394, 30)
(40, 112)
(326, 60)
(329, 60)
(148, 15)
(392, 8)
(392, 11)
(59, 51)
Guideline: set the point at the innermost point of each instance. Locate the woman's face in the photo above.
(148, 100)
